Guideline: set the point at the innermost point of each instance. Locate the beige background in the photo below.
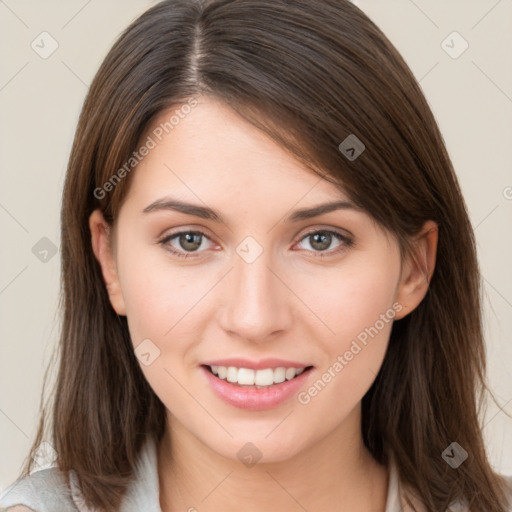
(40, 99)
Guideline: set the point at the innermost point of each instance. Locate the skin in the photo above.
(289, 303)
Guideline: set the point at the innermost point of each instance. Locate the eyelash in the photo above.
(346, 242)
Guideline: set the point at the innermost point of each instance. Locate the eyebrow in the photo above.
(205, 212)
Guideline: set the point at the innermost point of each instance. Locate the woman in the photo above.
(270, 283)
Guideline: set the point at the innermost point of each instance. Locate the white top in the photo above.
(47, 491)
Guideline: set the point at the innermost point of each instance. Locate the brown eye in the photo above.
(190, 241)
(185, 243)
(321, 241)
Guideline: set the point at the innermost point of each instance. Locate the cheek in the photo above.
(349, 298)
(355, 306)
(162, 319)
(157, 294)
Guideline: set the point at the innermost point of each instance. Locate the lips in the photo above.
(262, 364)
(255, 385)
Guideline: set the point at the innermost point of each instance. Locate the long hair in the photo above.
(309, 74)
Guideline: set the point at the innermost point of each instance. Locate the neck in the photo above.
(336, 473)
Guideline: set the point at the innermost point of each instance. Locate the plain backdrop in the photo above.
(50, 52)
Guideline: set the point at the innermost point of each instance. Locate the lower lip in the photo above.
(255, 399)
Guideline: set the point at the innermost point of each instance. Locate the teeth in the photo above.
(258, 378)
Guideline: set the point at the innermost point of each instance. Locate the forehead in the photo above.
(213, 152)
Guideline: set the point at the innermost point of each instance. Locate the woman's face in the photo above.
(239, 271)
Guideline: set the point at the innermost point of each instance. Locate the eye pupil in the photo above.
(321, 240)
(190, 241)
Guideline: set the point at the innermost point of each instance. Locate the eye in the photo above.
(321, 240)
(184, 243)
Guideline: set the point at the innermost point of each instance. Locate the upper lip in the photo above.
(240, 362)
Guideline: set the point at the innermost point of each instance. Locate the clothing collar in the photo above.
(142, 495)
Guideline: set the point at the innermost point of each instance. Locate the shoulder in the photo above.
(19, 508)
(456, 506)
(508, 483)
(43, 491)
(507, 480)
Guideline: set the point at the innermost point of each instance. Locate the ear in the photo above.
(101, 239)
(417, 269)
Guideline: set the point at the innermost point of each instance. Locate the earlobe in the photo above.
(102, 247)
(417, 269)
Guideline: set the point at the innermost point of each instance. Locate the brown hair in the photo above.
(309, 74)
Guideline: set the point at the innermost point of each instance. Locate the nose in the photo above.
(255, 303)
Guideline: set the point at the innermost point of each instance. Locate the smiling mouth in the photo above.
(257, 379)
